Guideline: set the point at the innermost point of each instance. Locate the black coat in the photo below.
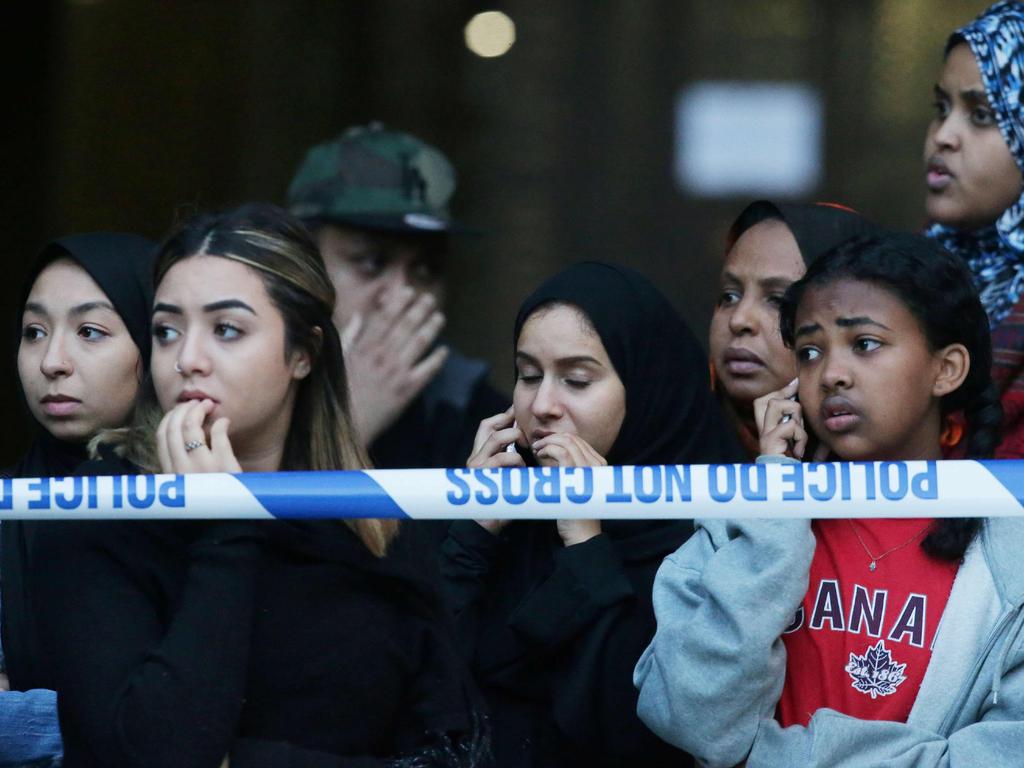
(553, 632)
(285, 644)
(121, 265)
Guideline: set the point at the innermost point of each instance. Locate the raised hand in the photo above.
(384, 359)
(565, 450)
(493, 436)
(182, 442)
(780, 422)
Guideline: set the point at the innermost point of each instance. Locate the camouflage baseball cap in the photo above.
(375, 178)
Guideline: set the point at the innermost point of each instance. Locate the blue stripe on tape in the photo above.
(320, 494)
(1010, 475)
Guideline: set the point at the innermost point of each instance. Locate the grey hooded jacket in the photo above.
(710, 680)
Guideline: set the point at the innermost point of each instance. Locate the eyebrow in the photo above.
(805, 330)
(215, 306)
(973, 95)
(78, 309)
(853, 322)
(564, 361)
(842, 322)
(766, 282)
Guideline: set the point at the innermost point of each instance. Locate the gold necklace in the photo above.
(874, 558)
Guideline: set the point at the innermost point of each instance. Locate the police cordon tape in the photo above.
(830, 489)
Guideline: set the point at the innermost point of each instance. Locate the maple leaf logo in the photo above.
(875, 673)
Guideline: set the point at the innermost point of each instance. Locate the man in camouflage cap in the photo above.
(377, 202)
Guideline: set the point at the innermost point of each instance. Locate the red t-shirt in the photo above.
(862, 639)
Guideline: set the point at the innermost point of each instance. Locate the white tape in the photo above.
(858, 489)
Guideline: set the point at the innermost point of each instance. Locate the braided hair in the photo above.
(936, 287)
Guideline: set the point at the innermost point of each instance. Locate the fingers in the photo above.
(489, 425)
(404, 327)
(388, 357)
(504, 459)
(558, 452)
(419, 340)
(350, 334)
(183, 426)
(491, 441)
(186, 426)
(777, 412)
(785, 439)
(222, 454)
(786, 393)
(566, 450)
(380, 324)
(425, 370)
(417, 329)
(171, 443)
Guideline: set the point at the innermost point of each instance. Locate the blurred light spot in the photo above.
(749, 138)
(490, 34)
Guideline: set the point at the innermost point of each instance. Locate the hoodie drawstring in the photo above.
(1004, 652)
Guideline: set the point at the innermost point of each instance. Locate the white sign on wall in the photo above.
(748, 139)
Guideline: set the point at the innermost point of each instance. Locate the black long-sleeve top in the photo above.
(282, 644)
(553, 634)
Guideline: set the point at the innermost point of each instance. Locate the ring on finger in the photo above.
(191, 445)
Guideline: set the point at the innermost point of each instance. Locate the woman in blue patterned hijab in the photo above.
(974, 154)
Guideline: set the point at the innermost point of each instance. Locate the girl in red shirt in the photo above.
(854, 642)
(881, 360)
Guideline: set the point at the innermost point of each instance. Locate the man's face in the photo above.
(366, 267)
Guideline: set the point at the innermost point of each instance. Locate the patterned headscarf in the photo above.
(995, 254)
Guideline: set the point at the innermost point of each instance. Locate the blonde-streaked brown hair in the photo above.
(277, 245)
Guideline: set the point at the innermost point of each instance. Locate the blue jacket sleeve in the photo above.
(834, 740)
(716, 666)
(29, 731)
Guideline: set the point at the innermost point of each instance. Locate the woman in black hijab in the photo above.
(770, 245)
(554, 617)
(83, 344)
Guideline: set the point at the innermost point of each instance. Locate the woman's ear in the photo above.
(302, 359)
(954, 363)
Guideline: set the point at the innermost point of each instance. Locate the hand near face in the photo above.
(780, 422)
(384, 357)
(181, 427)
(567, 450)
(493, 436)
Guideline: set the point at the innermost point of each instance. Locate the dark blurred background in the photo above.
(123, 114)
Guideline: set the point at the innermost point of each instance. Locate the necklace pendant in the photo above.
(873, 565)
